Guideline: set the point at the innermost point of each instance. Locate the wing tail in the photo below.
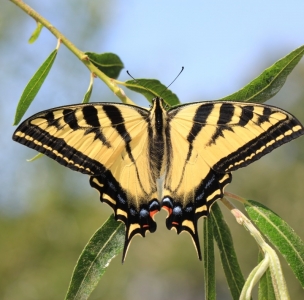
(182, 219)
(137, 220)
(185, 210)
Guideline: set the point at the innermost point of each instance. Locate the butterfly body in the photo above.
(143, 160)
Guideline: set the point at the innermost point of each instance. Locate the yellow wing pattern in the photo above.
(208, 140)
(109, 142)
(143, 160)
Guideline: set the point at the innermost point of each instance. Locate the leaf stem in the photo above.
(78, 53)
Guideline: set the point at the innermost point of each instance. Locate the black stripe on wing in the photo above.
(69, 117)
(225, 116)
(246, 115)
(57, 149)
(199, 120)
(117, 120)
(276, 135)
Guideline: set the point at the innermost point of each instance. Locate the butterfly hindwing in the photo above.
(137, 220)
(184, 212)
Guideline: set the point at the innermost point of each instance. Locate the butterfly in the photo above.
(141, 160)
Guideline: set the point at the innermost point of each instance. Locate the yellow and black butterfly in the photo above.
(143, 160)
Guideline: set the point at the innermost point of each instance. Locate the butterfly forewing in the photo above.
(233, 131)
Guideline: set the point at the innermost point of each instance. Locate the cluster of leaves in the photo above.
(107, 242)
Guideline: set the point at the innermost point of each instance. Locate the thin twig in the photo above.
(78, 53)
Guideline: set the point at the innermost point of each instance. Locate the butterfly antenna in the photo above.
(166, 87)
(166, 105)
(175, 78)
(131, 75)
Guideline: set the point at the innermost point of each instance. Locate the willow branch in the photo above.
(78, 53)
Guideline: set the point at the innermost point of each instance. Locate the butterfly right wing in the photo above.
(207, 141)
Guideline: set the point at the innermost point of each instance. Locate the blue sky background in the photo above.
(222, 45)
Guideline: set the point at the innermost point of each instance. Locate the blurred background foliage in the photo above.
(48, 213)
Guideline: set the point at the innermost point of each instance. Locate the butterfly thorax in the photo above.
(157, 143)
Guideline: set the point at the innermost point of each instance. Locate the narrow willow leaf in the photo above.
(37, 156)
(209, 260)
(36, 33)
(108, 63)
(266, 291)
(279, 234)
(33, 87)
(267, 84)
(104, 245)
(88, 94)
(253, 278)
(229, 260)
(277, 276)
(151, 88)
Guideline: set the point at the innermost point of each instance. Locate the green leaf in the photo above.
(267, 84)
(151, 88)
(104, 245)
(279, 234)
(88, 94)
(209, 260)
(229, 260)
(33, 87)
(36, 33)
(108, 63)
(266, 291)
(37, 156)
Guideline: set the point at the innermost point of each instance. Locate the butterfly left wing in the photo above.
(208, 140)
(109, 142)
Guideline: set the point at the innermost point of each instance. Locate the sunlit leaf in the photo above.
(108, 63)
(229, 260)
(267, 84)
(151, 88)
(36, 33)
(104, 245)
(209, 260)
(33, 87)
(281, 235)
